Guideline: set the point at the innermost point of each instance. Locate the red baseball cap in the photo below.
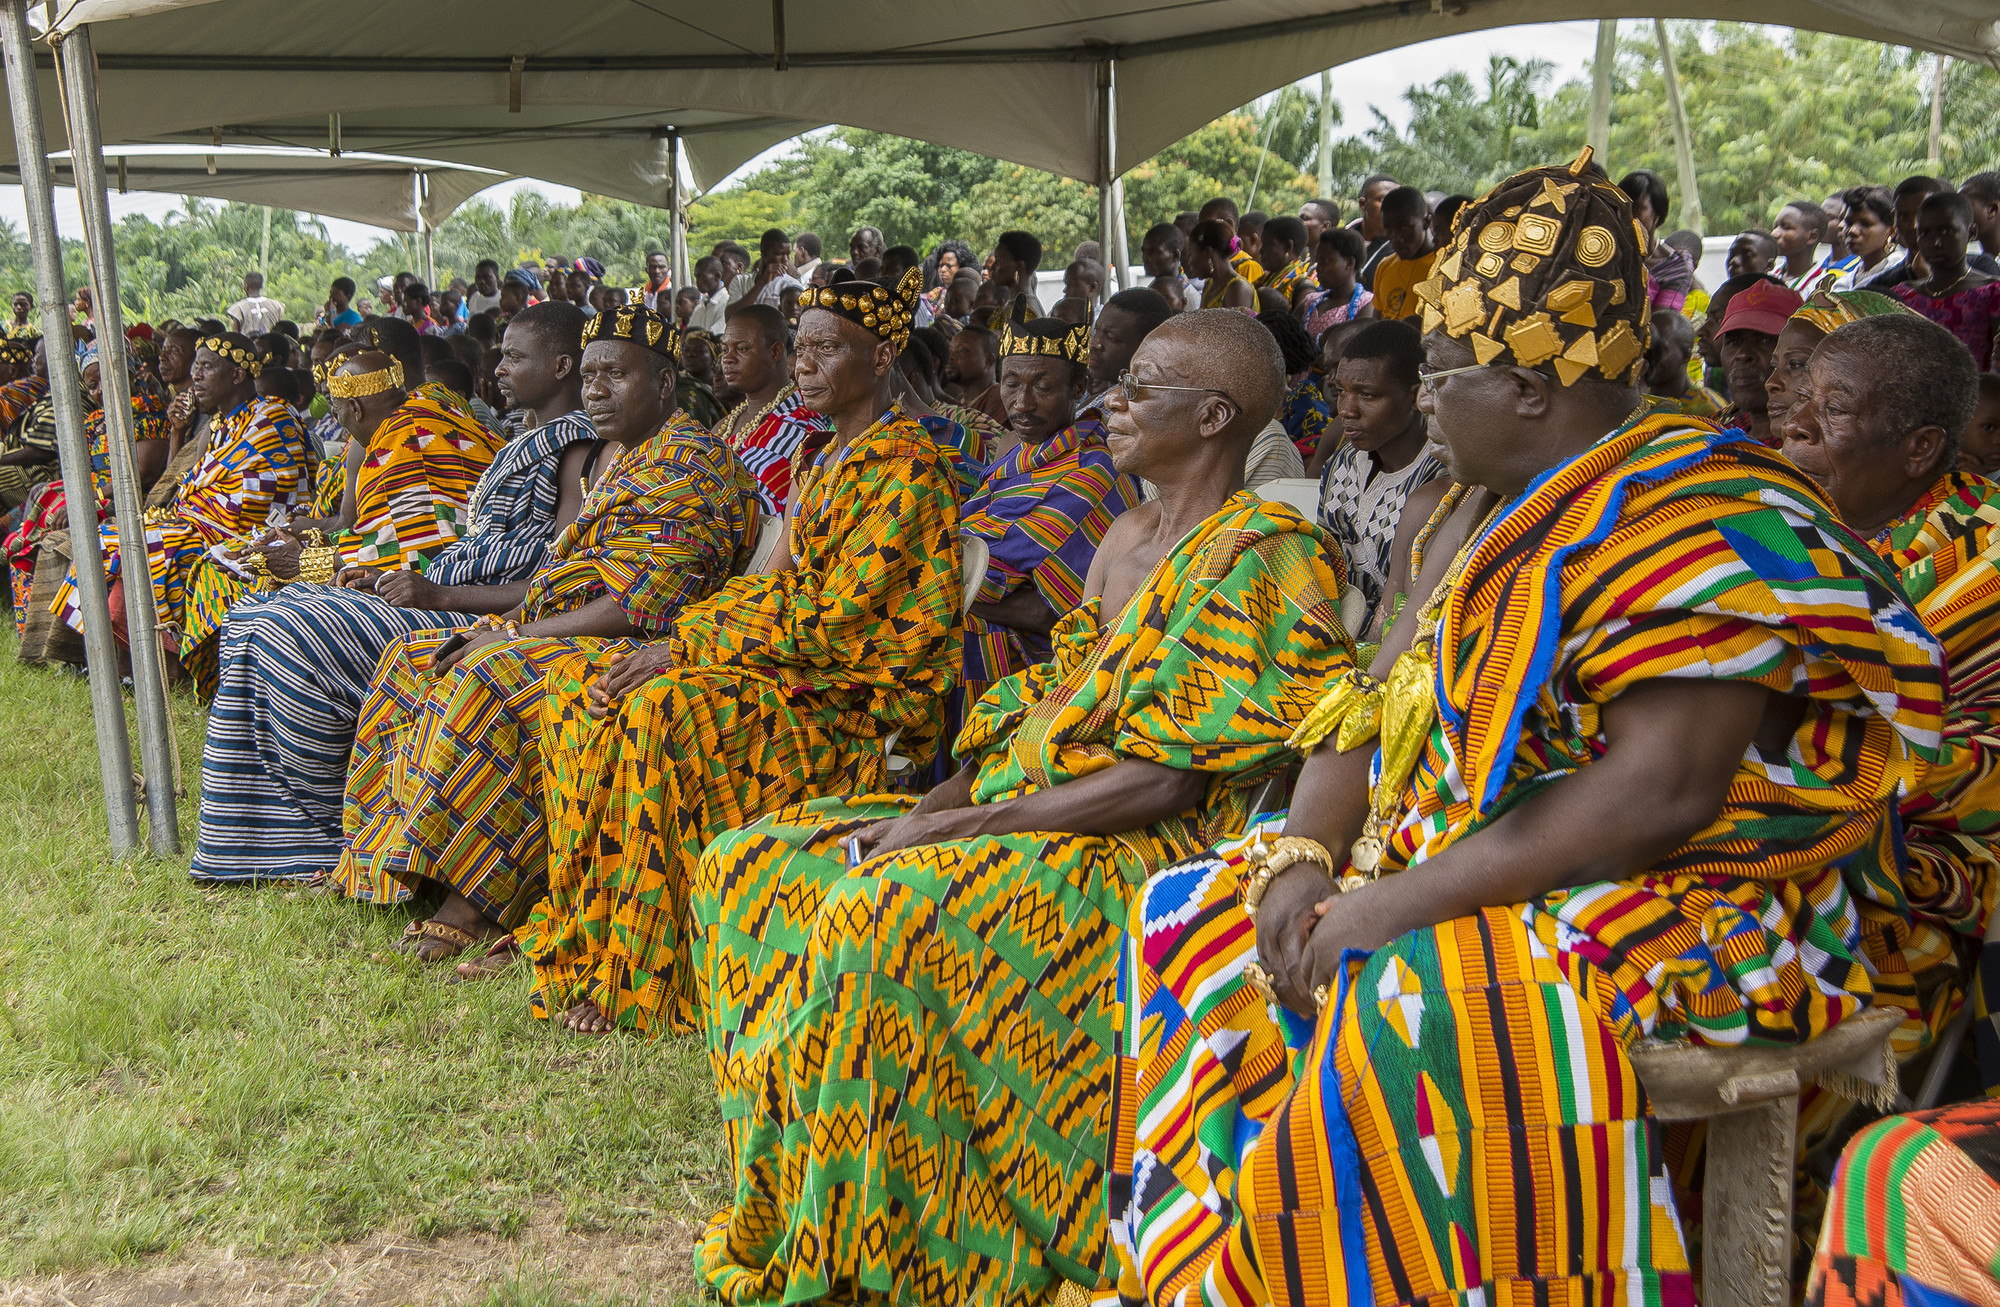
(1763, 306)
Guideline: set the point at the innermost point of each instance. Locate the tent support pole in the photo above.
(79, 76)
(1110, 185)
(114, 749)
(679, 253)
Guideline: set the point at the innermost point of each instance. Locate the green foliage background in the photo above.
(1776, 115)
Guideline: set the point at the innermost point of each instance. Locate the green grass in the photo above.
(228, 1067)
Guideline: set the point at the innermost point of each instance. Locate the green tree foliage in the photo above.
(1774, 117)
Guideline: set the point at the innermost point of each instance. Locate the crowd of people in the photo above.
(1089, 871)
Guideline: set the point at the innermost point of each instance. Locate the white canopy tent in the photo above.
(382, 190)
(1018, 81)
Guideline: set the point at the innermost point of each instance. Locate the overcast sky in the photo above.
(1378, 81)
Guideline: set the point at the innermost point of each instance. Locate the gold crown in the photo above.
(236, 354)
(363, 384)
(888, 313)
(1072, 343)
(1547, 267)
(637, 325)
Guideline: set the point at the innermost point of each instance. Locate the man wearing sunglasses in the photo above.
(1629, 735)
(955, 961)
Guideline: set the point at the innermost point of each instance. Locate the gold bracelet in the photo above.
(262, 567)
(318, 564)
(1284, 852)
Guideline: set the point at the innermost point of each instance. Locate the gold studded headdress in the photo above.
(1048, 338)
(888, 311)
(237, 351)
(638, 325)
(1547, 267)
(360, 385)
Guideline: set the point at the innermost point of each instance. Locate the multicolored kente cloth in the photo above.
(257, 459)
(1461, 1123)
(1946, 550)
(1042, 511)
(21, 401)
(916, 1055)
(1914, 1217)
(411, 492)
(295, 667)
(446, 778)
(784, 686)
(971, 438)
(1308, 413)
(766, 449)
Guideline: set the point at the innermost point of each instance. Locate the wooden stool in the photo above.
(1750, 1099)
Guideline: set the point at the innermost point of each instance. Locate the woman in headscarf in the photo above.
(1818, 318)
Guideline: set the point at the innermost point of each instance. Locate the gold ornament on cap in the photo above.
(236, 354)
(360, 385)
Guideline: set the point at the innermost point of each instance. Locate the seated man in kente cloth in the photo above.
(781, 687)
(911, 1009)
(445, 784)
(1877, 426)
(1637, 723)
(1043, 507)
(415, 452)
(295, 665)
(257, 458)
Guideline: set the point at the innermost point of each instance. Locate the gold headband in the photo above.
(1073, 344)
(236, 354)
(367, 383)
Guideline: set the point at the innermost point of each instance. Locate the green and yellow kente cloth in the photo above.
(446, 778)
(1461, 1123)
(916, 1055)
(784, 686)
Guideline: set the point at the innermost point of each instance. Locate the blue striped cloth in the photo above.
(296, 665)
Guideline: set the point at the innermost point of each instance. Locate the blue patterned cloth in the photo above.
(296, 664)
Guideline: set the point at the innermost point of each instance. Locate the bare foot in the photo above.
(587, 1019)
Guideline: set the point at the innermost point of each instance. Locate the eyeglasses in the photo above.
(1129, 386)
(1426, 378)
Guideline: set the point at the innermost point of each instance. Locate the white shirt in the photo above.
(256, 315)
(708, 313)
(804, 272)
(477, 303)
(770, 295)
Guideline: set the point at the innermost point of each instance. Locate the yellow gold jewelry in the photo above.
(1270, 858)
(236, 354)
(1260, 980)
(318, 563)
(363, 384)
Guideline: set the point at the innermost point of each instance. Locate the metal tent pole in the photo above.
(78, 69)
(1110, 192)
(678, 255)
(114, 749)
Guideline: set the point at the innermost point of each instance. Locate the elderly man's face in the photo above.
(837, 363)
(1834, 436)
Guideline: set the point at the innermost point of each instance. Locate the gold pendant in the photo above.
(1366, 856)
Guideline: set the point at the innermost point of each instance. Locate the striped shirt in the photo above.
(766, 449)
(513, 508)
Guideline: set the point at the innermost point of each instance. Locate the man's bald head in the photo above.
(1223, 350)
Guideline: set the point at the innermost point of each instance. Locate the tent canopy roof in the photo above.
(1017, 80)
(378, 189)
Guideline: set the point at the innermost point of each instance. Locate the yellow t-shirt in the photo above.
(1394, 278)
(1246, 267)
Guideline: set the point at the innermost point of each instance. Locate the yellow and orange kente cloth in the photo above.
(410, 499)
(446, 778)
(916, 1054)
(784, 686)
(257, 458)
(1461, 1122)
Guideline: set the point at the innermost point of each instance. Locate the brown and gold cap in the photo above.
(1047, 337)
(888, 311)
(638, 325)
(1547, 267)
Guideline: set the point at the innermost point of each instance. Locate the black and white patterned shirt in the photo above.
(1360, 506)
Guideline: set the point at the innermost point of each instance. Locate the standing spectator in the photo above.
(1983, 189)
(1798, 229)
(659, 282)
(805, 256)
(254, 314)
(23, 324)
(1956, 295)
(1405, 218)
(712, 301)
(1669, 273)
(1871, 238)
(1373, 191)
(866, 243)
(416, 307)
(485, 293)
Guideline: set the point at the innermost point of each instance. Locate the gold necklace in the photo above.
(730, 423)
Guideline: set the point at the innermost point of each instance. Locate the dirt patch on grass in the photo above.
(546, 1264)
